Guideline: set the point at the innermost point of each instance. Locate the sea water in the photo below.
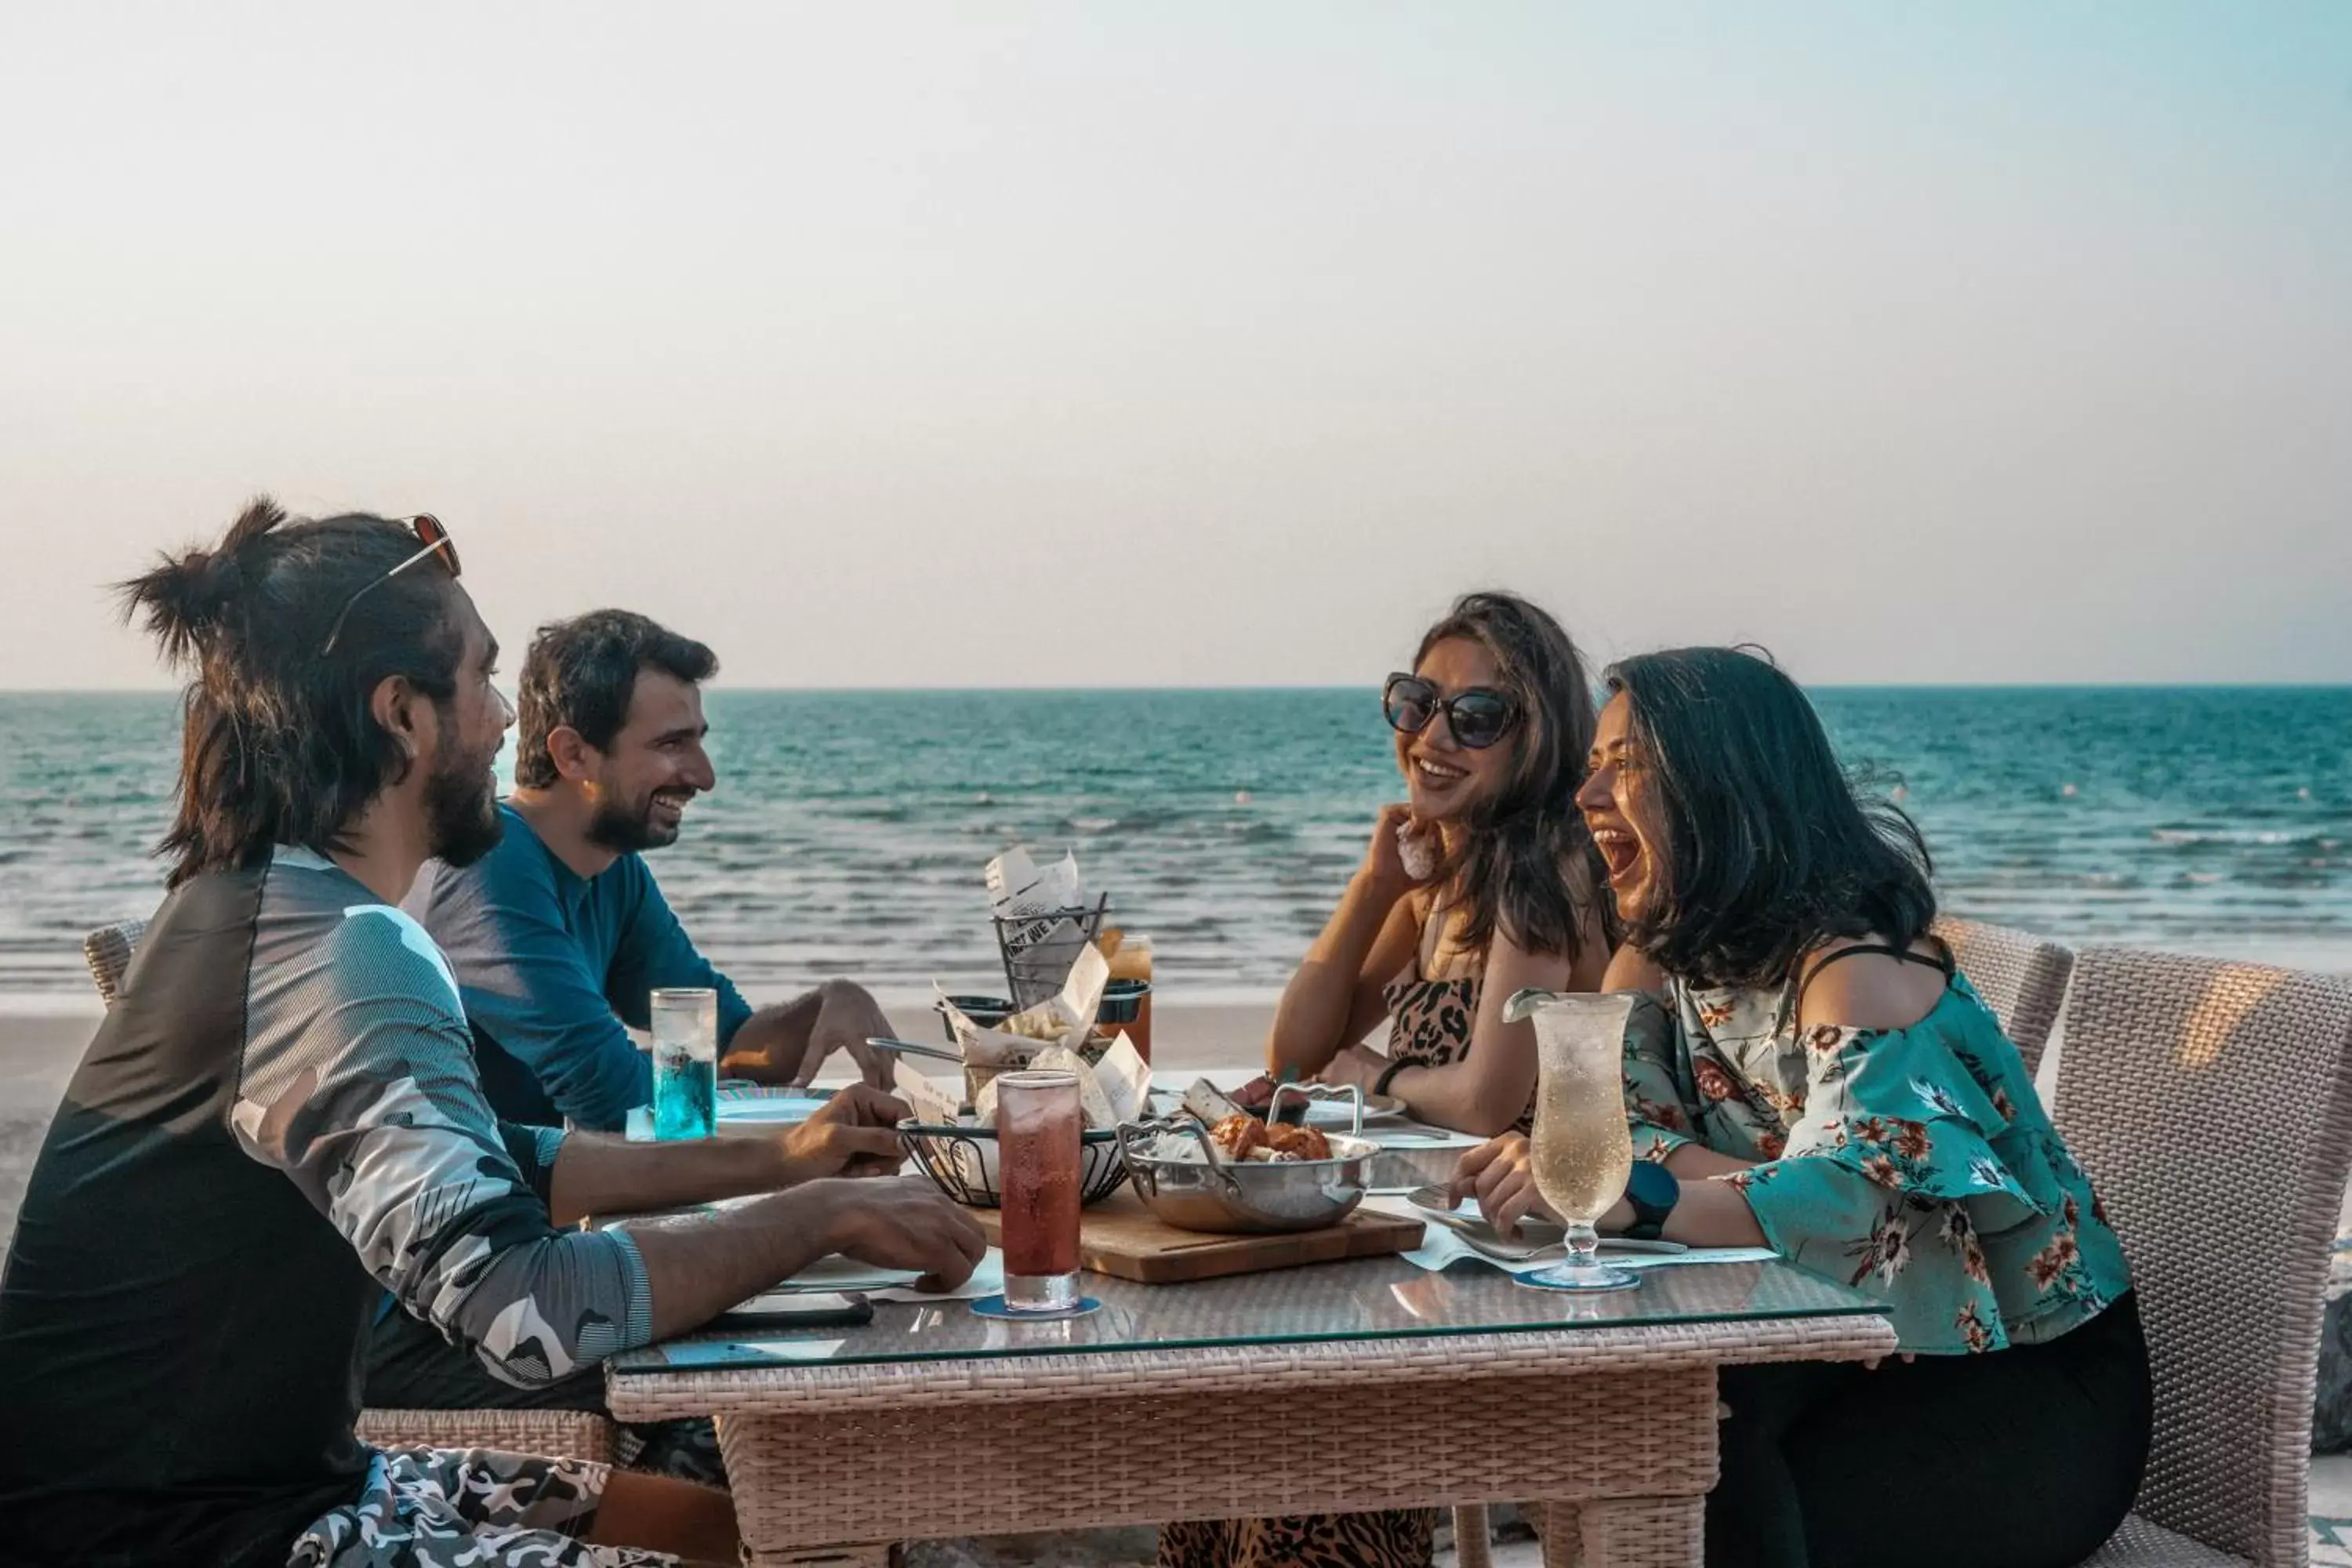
(848, 829)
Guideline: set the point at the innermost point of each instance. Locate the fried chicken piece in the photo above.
(1297, 1142)
(1239, 1134)
(1242, 1137)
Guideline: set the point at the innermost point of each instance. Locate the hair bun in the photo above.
(184, 599)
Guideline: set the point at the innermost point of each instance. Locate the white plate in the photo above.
(1323, 1115)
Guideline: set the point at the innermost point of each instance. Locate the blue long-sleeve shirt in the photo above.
(551, 965)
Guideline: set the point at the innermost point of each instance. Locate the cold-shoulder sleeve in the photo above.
(1661, 1101)
(1913, 1174)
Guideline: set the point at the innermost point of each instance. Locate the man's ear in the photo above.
(576, 762)
(403, 712)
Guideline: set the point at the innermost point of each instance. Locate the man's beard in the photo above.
(628, 829)
(461, 811)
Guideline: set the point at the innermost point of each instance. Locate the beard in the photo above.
(461, 809)
(628, 827)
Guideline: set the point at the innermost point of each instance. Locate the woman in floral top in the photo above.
(1822, 1081)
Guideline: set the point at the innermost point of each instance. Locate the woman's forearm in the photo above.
(1465, 1095)
(1310, 1024)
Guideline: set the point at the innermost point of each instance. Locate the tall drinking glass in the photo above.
(1583, 1149)
(1039, 1125)
(686, 1062)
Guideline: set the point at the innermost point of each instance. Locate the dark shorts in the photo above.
(412, 1367)
(448, 1508)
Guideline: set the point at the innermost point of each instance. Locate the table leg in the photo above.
(1471, 1534)
(1625, 1533)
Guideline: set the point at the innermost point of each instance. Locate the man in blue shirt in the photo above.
(560, 933)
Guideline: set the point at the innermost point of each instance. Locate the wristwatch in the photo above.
(1653, 1190)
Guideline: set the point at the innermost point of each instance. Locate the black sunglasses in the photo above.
(1477, 717)
(434, 536)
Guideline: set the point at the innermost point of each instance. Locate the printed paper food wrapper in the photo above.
(1040, 938)
(1112, 1091)
(1016, 886)
(1062, 1020)
(931, 1104)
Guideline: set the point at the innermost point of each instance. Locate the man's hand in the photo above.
(854, 1135)
(784, 1045)
(908, 1224)
(847, 1018)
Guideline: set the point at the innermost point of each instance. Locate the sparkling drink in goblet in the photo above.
(1039, 1128)
(1583, 1150)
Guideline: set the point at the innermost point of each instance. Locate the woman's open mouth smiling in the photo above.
(1437, 774)
(1620, 850)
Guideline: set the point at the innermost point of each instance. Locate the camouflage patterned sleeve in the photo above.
(534, 1149)
(359, 1083)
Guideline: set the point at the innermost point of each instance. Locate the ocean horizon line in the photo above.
(1279, 689)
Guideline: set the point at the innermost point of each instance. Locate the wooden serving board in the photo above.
(1122, 1238)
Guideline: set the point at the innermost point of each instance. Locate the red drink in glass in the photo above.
(1039, 1125)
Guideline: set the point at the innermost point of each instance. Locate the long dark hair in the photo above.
(1769, 851)
(279, 743)
(1511, 870)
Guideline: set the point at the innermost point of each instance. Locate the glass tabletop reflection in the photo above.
(1369, 1299)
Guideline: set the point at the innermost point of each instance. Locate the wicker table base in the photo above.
(1645, 1440)
(1611, 1424)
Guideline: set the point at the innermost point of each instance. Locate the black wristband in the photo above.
(1653, 1190)
(1387, 1076)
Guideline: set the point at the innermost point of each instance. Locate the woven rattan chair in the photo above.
(2213, 1103)
(557, 1434)
(2022, 977)
(107, 951)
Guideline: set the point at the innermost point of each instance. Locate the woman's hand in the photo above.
(1358, 1065)
(1501, 1173)
(1384, 868)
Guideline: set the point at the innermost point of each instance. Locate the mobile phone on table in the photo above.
(798, 1310)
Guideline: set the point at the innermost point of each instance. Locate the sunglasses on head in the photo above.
(435, 538)
(1478, 716)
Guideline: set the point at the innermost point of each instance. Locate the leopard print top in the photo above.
(1430, 1023)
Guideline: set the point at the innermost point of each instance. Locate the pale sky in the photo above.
(1207, 342)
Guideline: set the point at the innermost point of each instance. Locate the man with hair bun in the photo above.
(280, 1119)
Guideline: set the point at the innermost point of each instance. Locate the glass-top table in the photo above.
(1370, 1299)
(1189, 1401)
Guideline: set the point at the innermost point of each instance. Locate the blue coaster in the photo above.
(1630, 1280)
(994, 1307)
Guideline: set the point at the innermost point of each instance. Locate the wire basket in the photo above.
(962, 1161)
(1039, 948)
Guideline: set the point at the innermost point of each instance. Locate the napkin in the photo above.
(1441, 1248)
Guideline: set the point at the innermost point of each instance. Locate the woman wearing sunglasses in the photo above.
(1481, 882)
(1822, 1081)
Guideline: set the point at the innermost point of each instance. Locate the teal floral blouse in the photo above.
(1917, 1164)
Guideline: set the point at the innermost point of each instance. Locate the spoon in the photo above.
(910, 1049)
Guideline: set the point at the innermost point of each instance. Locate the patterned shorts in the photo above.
(468, 1508)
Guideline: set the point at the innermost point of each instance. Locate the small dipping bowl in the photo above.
(1122, 1001)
